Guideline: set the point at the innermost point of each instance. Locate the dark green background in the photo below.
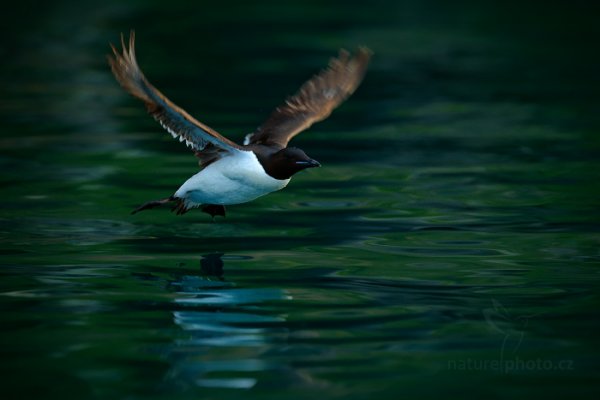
(448, 248)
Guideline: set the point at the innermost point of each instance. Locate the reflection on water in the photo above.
(217, 314)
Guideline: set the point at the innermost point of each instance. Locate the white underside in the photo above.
(233, 179)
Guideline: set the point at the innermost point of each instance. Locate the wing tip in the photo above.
(126, 55)
(335, 84)
(123, 63)
(363, 54)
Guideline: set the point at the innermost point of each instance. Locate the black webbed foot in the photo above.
(213, 210)
(152, 204)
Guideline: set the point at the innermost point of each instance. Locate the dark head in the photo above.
(286, 162)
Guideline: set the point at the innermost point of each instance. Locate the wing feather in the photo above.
(174, 119)
(315, 100)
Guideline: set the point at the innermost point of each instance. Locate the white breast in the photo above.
(233, 179)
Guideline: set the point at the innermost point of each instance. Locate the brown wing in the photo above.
(315, 100)
(179, 123)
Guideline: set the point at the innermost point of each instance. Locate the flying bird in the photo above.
(231, 173)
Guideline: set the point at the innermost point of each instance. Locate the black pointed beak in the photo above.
(309, 163)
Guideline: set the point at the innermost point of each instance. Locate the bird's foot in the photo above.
(213, 210)
(152, 204)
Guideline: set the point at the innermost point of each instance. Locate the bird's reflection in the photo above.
(212, 265)
(227, 329)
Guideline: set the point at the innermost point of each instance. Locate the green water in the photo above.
(448, 248)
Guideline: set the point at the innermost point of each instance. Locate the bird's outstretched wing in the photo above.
(315, 100)
(199, 137)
